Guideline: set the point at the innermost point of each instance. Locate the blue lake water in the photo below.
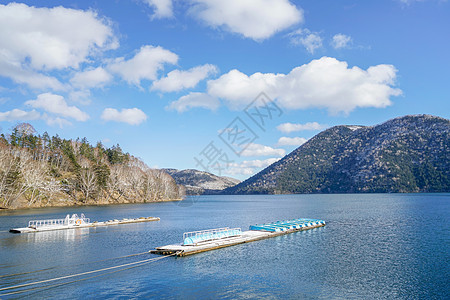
(373, 246)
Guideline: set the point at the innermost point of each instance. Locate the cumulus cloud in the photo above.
(322, 83)
(341, 41)
(193, 100)
(56, 104)
(287, 141)
(255, 19)
(132, 116)
(291, 127)
(51, 38)
(61, 122)
(310, 40)
(80, 96)
(177, 80)
(249, 167)
(253, 149)
(239, 89)
(412, 1)
(144, 65)
(24, 75)
(162, 8)
(91, 78)
(19, 115)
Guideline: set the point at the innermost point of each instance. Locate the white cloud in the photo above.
(291, 127)
(24, 75)
(255, 19)
(56, 104)
(80, 96)
(162, 8)
(194, 99)
(57, 121)
(310, 40)
(249, 167)
(239, 89)
(341, 41)
(91, 78)
(322, 83)
(287, 141)
(19, 115)
(51, 38)
(144, 65)
(261, 150)
(412, 1)
(178, 80)
(132, 116)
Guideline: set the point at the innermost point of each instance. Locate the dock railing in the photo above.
(67, 221)
(42, 223)
(294, 224)
(195, 237)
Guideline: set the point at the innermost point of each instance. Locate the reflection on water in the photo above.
(49, 237)
(373, 246)
(58, 235)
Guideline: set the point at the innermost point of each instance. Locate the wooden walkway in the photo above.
(245, 237)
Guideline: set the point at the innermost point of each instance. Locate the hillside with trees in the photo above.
(200, 182)
(42, 170)
(402, 155)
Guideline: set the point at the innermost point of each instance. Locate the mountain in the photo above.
(199, 182)
(406, 154)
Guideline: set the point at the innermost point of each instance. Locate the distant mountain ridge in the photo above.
(199, 182)
(405, 154)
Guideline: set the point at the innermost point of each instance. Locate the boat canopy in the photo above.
(195, 237)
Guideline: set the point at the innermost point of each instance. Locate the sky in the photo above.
(227, 87)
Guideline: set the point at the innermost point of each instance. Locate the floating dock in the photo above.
(206, 240)
(72, 222)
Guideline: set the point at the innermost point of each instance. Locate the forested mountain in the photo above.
(406, 154)
(39, 170)
(200, 182)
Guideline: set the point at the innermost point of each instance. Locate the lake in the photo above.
(373, 246)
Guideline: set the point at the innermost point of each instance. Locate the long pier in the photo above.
(75, 222)
(207, 240)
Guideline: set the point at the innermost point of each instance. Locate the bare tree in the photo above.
(11, 183)
(51, 188)
(87, 183)
(116, 185)
(5, 169)
(25, 129)
(134, 181)
(149, 187)
(34, 176)
(76, 147)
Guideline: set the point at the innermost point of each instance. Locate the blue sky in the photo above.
(165, 78)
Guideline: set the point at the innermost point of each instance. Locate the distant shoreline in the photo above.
(84, 204)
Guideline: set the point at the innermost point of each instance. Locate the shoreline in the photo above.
(72, 205)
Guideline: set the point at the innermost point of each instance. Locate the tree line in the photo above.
(42, 170)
